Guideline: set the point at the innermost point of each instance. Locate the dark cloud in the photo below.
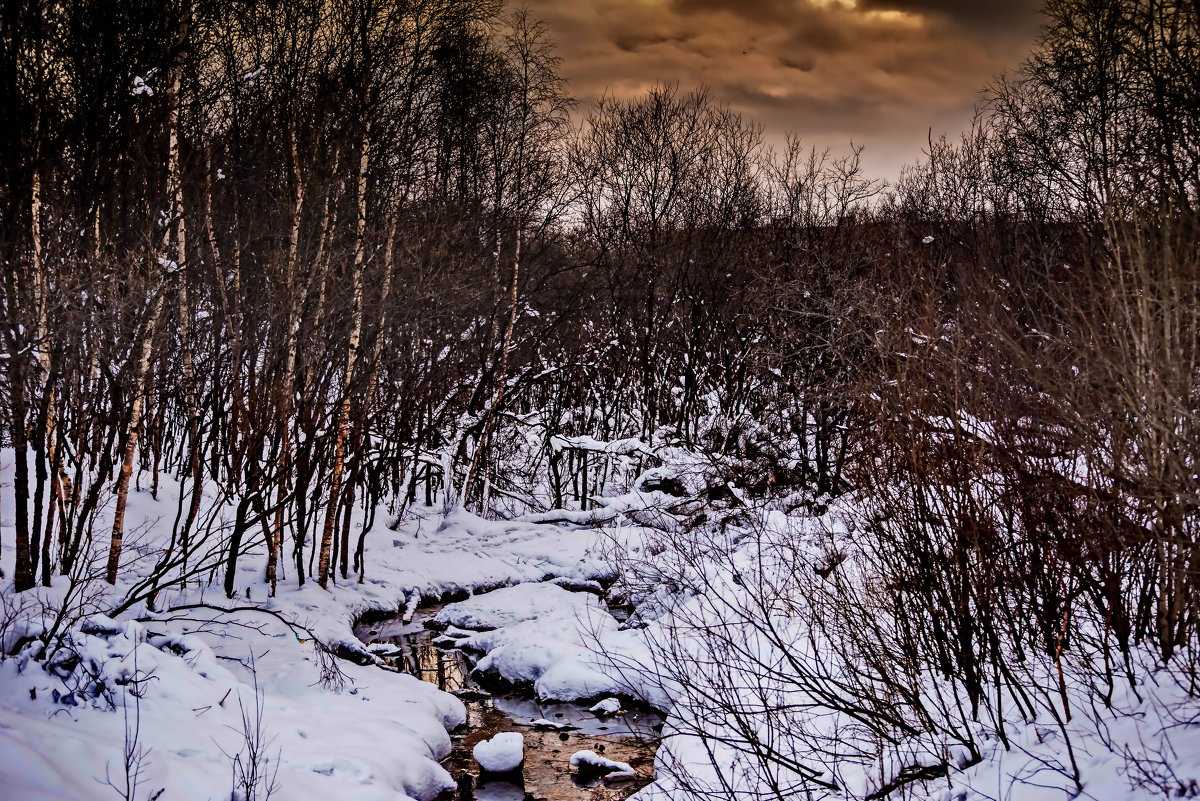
(633, 42)
(880, 72)
(802, 64)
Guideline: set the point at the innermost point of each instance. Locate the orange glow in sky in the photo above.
(879, 72)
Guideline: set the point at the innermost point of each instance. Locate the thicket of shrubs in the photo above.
(326, 255)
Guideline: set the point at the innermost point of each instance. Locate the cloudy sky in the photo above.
(878, 72)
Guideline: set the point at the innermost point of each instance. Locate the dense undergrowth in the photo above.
(942, 434)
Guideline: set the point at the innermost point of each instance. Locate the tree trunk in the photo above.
(23, 569)
(44, 434)
(343, 416)
(131, 441)
(372, 377)
(502, 373)
(287, 385)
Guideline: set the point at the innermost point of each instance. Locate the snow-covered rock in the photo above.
(591, 762)
(547, 724)
(609, 706)
(502, 753)
(578, 585)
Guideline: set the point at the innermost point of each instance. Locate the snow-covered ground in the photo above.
(565, 646)
(772, 687)
(179, 685)
(728, 629)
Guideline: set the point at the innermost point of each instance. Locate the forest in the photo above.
(901, 476)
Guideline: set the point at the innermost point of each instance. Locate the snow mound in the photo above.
(566, 646)
(551, 654)
(512, 605)
(547, 724)
(502, 753)
(591, 762)
(609, 706)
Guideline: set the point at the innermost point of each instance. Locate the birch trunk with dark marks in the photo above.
(142, 368)
(181, 254)
(342, 426)
(287, 386)
(389, 266)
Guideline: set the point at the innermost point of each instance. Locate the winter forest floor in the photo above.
(191, 700)
(367, 734)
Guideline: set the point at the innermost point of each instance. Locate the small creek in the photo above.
(546, 774)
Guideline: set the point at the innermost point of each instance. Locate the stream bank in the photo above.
(546, 774)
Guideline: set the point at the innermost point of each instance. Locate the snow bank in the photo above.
(185, 696)
(560, 644)
(370, 735)
(511, 605)
(502, 753)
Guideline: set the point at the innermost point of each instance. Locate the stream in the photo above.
(546, 774)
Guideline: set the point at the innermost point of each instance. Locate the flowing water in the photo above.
(546, 774)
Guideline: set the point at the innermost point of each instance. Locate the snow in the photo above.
(549, 724)
(609, 706)
(556, 642)
(559, 643)
(705, 749)
(190, 671)
(502, 753)
(511, 605)
(587, 761)
(323, 743)
(373, 736)
(579, 585)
